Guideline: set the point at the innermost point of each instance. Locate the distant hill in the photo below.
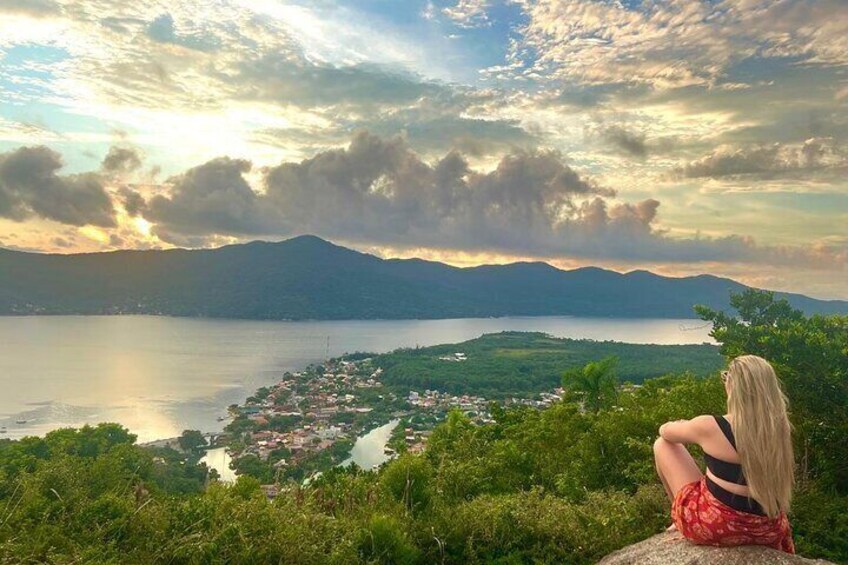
(309, 278)
(522, 364)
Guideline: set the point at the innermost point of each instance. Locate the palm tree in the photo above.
(595, 383)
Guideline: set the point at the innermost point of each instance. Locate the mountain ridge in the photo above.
(307, 277)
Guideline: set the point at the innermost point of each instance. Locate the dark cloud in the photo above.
(377, 191)
(428, 124)
(132, 201)
(161, 29)
(768, 160)
(579, 97)
(121, 160)
(211, 198)
(734, 162)
(378, 187)
(631, 143)
(29, 184)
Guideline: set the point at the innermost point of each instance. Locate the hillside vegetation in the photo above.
(309, 278)
(523, 363)
(561, 485)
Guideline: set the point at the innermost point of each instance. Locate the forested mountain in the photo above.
(309, 278)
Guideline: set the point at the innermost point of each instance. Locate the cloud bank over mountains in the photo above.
(379, 191)
(30, 186)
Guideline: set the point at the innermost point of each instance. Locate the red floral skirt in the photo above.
(705, 520)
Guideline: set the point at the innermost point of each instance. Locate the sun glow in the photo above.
(142, 226)
(96, 234)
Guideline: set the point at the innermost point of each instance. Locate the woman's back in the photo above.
(717, 445)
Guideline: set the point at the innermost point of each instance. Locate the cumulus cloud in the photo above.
(121, 160)
(813, 155)
(30, 185)
(132, 201)
(208, 199)
(378, 187)
(378, 191)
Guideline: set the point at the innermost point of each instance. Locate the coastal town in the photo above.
(309, 420)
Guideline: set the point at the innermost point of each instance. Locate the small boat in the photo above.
(222, 418)
(20, 421)
(3, 430)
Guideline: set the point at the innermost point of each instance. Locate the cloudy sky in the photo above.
(679, 136)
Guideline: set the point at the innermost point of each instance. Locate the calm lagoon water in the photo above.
(219, 459)
(158, 376)
(368, 450)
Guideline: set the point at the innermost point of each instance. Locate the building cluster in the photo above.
(300, 442)
(476, 407)
(415, 440)
(458, 357)
(309, 411)
(302, 412)
(545, 400)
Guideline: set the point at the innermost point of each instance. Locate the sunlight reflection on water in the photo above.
(159, 376)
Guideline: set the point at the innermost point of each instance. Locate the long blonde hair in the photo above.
(757, 406)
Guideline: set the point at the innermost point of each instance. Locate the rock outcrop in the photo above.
(670, 548)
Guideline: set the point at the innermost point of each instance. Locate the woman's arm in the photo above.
(686, 431)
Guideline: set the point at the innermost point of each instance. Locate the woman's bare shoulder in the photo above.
(706, 427)
(704, 422)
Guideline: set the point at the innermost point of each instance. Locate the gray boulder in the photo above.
(670, 548)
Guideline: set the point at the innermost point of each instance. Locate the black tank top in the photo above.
(730, 472)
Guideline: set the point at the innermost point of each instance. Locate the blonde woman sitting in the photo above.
(745, 494)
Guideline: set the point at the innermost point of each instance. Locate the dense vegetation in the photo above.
(521, 363)
(309, 278)
(561, 485)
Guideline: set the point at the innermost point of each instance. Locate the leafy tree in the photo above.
(408, 481)
(386, 540)
(191, 441)
(252, 466)
(595, 383)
